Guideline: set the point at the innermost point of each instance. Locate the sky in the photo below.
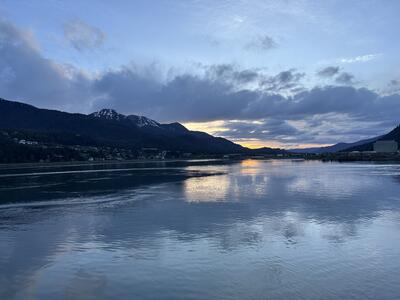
(276, 73)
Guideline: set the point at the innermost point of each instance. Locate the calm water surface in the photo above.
(253, 229)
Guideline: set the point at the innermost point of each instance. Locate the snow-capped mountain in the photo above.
(108, 114)
(138, 121)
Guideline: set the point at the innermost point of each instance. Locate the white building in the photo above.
(389, 146)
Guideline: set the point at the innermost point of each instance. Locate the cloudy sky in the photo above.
(284, 73)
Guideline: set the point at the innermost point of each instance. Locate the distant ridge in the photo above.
(334, 148)
(362, 145)
(392, 135)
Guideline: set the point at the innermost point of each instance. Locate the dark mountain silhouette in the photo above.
(392, 135)
(363, 145)
(109, 128)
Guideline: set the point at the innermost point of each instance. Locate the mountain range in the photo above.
(108, 128)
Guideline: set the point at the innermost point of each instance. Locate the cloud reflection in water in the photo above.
(262, 228)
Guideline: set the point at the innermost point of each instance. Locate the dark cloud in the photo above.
(318, 129)
(284, 108)
(345, 78)
(27, 76)
(82, 36)
(284, 81)
(222, 93)
(262, 43)
(229, 72)
(321, 100)
(189, 96)
(328, 72)
(198, 98)
(270, 129)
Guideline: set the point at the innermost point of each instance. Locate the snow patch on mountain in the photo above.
(141, 121)
(108, 114)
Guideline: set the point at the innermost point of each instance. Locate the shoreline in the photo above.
(339, 157)
(99, 163)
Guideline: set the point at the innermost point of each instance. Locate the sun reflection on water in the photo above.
(207, 189)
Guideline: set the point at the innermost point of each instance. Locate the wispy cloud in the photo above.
(360, 58)
(328, 72)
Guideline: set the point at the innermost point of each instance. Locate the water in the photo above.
(253, 229)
